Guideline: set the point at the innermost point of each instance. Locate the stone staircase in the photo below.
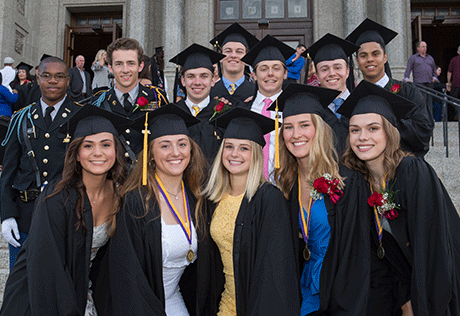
(448, 170)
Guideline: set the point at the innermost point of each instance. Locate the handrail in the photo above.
(446, 99)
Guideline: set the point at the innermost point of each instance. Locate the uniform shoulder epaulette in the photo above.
(26, 107)
(77, 103)
(16, 122)
(100, 91)
(98, 101)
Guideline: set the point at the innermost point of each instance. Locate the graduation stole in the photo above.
(305, 222)
(184, 224)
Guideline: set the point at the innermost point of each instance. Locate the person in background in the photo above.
(8, 73)
(453, 81)
(80, 81)
(440, 87)
(145, 76)
(57, 269)
(311, 78)
(7, 99)
(22, 76)
(295, 64)
(157, 68)
(101, 72)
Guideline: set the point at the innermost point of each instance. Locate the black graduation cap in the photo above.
(197, 56)
(269, 48)
(167, 120)
(330, 47)
(241, 123)
(370, 31)
(370, 98)
(235, 33)
(300, 99)
(45, 56)
(90, 120)
(25, 66)
(158, 49)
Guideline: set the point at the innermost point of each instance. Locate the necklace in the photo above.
(176, 196)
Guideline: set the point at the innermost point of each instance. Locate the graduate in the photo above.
(198, 79)
(417, 125)
(250, 259)
(57, 267)
(153, 251)
(324, 206)
(414, 227)
(234, 42)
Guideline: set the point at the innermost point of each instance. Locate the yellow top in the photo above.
(222, 229)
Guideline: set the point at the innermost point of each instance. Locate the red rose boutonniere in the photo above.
(384, 202)
(327, 186)
(141, 102)
(219, 108)
(395, 88)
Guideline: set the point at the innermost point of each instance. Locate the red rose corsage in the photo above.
(325, 185)
(384, 203)
(395, 88)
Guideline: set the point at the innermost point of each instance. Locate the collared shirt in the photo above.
(423, 68)
(454, 69)
(257, 107)
(343, 96)
(227, 83)
(201, 105)
(132, 95)
(83, 77)
(57, 106)
(383, 81)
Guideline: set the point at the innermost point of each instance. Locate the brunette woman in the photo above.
(153, 251)
(323, 202)
(57, 266)
(251, 267)
(414, 241)
(22, 76)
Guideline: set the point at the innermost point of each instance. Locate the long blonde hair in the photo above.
(322, 158)
(393, 154)
(194, 175)
(99, 55)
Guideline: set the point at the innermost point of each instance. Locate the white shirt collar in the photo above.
(201, 105)
(132, 94)
(383, 81)
(258, 103)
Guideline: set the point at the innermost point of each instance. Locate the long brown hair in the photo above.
(72, 177)
(194, 175)
(393, 154)
(322, 158)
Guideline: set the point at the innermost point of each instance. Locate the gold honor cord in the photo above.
(379, 226)
(185, 225)
(146, 140)
(277, 137)
(305, 222)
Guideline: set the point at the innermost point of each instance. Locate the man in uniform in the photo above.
(198, 79)
(234, 42)
(268, 59)
(417, 125)
(80, 82)
(35, 151)
(128, 96)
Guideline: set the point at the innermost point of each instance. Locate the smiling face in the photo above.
(52, 89)
(198, 83)
(269, 75)
(171, 154)
(22, 74)
(333, 74)
(371, 60)
(232, 63)
(298, 134)
(368, 139)
(97, 154)
(236, 156)
(125, 68)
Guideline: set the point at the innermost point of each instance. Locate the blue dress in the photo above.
(318, 241)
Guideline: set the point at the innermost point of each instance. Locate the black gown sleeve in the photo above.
(433, 230)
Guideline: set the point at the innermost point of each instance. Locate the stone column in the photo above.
(396, 16)
(354, 12)
(327, 18)
(137, 21)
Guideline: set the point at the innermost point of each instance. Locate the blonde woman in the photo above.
(251, 263)
(414, 238)
(101, 72)
(322, 200)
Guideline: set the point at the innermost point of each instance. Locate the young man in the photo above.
(295, 64)
(268, 58)
(234, 43)
(416, 126)
(34, 151)
(198, 79)
(124, 59)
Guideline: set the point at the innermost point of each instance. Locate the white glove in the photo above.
(10, 226)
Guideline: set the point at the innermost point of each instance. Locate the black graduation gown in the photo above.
(136, 261)
(428, 232)
(417, 125)
(244, 91)
(340, 293)
(263, 260)
(207, 135)
(52, 270)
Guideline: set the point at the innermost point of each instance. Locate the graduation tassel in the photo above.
(277, 138)
(144, 161)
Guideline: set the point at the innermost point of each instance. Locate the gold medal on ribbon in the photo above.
(306, 253)
(190, 255)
